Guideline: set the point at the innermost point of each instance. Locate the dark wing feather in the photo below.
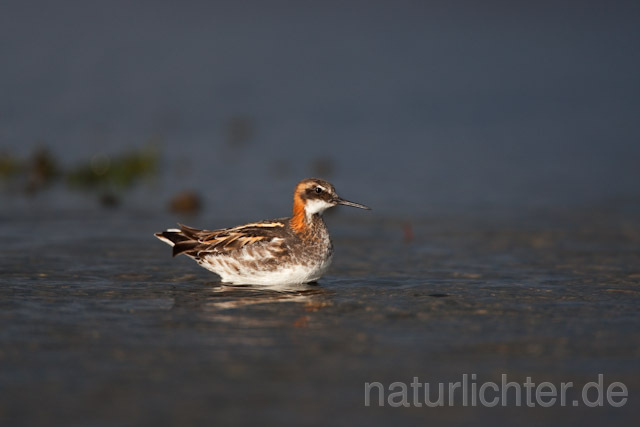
(184, 247)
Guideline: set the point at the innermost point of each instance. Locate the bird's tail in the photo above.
(177, 239)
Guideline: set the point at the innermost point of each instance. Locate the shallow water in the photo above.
(100, 326)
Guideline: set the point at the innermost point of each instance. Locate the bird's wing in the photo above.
(224, 241)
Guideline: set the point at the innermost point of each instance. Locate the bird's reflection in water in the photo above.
(236, 296)
(215, 297)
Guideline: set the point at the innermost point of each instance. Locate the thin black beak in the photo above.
(344, 202)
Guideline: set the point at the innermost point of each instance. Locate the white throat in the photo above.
(316, 206)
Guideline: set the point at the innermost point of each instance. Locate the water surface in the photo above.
(101, 327)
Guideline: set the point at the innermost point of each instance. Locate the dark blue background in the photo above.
(414, 106)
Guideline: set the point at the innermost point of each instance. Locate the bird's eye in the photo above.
(318, 190)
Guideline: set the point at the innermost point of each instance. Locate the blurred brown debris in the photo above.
(280, 169)
(186, 202)
(239, 130)
(41, 169)
(407, 231)
(323, 167)
(109, 200)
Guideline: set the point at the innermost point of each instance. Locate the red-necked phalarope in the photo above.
(284, 251)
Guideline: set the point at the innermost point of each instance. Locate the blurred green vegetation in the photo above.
(115, 173)
(103, 173)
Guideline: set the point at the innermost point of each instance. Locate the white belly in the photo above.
(240, 272)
